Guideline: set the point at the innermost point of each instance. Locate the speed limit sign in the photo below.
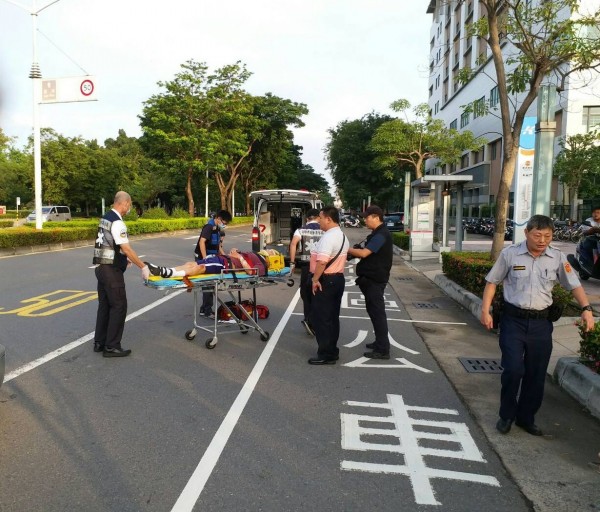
(87, 87)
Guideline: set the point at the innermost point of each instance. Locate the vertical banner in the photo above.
(523, 181)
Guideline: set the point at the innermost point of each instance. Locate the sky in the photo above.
(342, 58)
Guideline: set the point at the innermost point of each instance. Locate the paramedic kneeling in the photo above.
(528, 272)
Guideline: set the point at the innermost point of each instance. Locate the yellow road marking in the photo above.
(41, 302)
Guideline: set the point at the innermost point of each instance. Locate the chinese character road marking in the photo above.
(420, 475)
(362, 336)
(364, 362)
(41, 302)
(355, 300)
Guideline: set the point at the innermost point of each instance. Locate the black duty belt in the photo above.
(334, 274)
(511, 310)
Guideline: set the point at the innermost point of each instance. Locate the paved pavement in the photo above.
(555, 472)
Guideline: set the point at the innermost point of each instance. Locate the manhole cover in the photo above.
(425, 305)
(404, 279)
(481, 365)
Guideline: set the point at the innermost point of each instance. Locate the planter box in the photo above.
(580, 382)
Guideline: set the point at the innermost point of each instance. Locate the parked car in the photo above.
(277, 215)
(394, 221)
(52, 213)
(2, 366)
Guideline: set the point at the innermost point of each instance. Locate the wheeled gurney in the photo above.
(222, 285)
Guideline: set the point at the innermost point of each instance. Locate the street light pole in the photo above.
(36, 75)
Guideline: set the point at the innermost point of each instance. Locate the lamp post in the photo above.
(36, 75)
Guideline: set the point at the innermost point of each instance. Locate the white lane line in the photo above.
(399, 320)
(196, 483)
(69, 346)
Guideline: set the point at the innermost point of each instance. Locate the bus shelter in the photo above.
(422, 209)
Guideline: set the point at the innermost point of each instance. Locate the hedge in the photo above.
(401, 239)
(57, 232)
(6, 223)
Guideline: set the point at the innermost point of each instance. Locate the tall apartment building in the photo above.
(451, 49)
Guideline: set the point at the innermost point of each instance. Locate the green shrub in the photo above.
(6, 223)
(180, 213)
(589, 347)
(402, 240)
(155, 213)
(22, 237)
(132, 215)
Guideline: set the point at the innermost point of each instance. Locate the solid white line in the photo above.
(196, 483)
(69, 346)
(401, 320)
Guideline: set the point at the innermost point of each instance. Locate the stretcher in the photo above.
(226, 287)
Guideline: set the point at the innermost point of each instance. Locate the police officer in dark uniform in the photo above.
(307, 236)
(210, 242)
(373, 273)
(528, 271)
(112, 254)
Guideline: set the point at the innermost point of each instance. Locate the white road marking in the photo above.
(400, 320)
(69, 346)
(365, 362)
(196, 483)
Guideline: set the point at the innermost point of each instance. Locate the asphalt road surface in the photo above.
(248, 425)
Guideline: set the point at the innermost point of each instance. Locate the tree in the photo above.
(352, 161)
(577, 162)
(542, 45)
(411, 143)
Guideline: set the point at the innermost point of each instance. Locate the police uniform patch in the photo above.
(123, 233)
(519, 267)
(567, 267)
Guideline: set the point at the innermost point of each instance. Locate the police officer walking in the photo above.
(308, 236)
(528, 272)
(112, 254)
(373, 273)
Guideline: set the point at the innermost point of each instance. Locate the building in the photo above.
(452, 49)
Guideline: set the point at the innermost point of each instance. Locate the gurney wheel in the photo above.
(265, 336)
(190, 335)
(244, 331)
(211, 342)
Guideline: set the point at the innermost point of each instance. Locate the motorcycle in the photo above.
(575, 259)
(351, 222)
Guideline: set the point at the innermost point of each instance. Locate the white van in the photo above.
(52, 213)
(277, 215)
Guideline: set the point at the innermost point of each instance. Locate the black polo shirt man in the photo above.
(373, 273)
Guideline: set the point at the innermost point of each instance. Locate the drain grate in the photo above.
(404, 279)
(425, 305)
(481, 365)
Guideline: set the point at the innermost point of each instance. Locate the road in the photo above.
(248, 425)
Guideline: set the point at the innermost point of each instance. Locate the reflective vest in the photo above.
(213, 243)
(310, 235)
(106, 251)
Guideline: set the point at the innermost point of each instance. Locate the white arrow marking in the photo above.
(362, 336)
(361, 363)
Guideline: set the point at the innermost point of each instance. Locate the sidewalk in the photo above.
(553, 471)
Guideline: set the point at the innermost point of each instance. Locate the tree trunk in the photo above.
(508, 170)
(573, 197)
(188, 192)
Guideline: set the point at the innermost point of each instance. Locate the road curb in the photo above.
(575, 378)
(580, 382)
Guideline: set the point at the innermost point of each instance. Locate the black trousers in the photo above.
(305, 290)
(373, 293)
(112, 306)
(325, 315)
(526, 346)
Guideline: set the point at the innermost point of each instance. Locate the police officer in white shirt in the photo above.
(528, 271)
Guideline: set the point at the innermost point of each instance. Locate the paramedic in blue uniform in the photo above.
(113, 254)
(528, 271)
(307, 236)
(373, 273)
(210, 242)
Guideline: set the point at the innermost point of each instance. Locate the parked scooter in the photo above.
(351, 222)
(576, 262)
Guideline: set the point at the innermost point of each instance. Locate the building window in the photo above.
(453, 125)
(494, 148)
(464, 161)
(464, 119)
(591, 118)
(494, 97)
(431, 91)
(479, 107)
(436, 108)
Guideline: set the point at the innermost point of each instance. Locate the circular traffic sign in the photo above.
(86, 87)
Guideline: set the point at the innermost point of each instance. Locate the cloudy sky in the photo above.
(343, 58)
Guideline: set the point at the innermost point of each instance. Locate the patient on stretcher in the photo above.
(249, 262)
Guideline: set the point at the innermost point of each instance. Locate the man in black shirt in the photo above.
(373, 273)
